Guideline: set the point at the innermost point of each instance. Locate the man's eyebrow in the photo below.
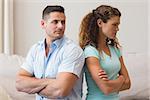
(58, 20)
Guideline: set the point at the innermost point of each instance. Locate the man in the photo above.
(53, 66)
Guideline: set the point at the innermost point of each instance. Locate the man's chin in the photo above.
(58, 37)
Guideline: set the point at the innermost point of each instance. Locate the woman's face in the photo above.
(110, 28)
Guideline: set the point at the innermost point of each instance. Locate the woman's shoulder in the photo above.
(91, 51)
(90, 47)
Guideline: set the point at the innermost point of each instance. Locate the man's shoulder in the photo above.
(37, 45)
(70, 42)
(71, 46)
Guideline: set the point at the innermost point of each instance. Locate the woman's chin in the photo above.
(112, 37)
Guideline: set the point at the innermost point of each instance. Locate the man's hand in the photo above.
(59, 87)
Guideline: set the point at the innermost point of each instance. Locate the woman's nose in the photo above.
(117, 28)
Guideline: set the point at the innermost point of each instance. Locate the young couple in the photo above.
(53, 68)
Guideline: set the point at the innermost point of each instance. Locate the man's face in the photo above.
(54, 25)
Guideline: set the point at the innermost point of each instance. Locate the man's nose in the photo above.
(60, 25)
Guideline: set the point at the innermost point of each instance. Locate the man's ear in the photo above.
(99, 22)
(42, 24)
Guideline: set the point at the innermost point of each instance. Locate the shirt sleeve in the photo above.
(73, 60)
(91, 51)
(28, 63)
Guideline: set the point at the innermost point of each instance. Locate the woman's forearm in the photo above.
(115, 85)
(126, 85)
(110, 86)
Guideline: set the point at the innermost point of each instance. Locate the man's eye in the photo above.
(63, 22)
(55, 21)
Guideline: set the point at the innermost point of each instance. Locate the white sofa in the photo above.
(9, 65)
(138, 68)
(137, 65)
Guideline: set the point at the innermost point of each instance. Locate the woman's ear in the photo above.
(99, 22)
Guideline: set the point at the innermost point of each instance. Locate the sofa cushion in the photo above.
(4, 95)
(137, 65)
(9, 66)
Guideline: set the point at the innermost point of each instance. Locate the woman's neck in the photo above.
(102, 41)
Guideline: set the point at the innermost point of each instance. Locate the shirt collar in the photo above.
(56, 43)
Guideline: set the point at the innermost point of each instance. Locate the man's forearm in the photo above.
(59, 87)
(53, 90)
(30, 84)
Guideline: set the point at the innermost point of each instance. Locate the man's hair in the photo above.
(55, 8)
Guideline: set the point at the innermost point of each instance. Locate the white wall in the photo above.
(27, 15)
(133, 33)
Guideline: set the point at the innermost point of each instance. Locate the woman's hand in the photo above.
(102, 75)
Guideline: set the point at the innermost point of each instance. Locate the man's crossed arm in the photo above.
(49, 88)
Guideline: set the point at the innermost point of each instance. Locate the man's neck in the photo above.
(48, 41)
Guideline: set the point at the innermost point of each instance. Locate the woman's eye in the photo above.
(114, 24)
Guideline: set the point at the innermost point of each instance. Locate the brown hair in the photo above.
(52, 8)
(89, 29)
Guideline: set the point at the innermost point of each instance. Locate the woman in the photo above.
(105, 72)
